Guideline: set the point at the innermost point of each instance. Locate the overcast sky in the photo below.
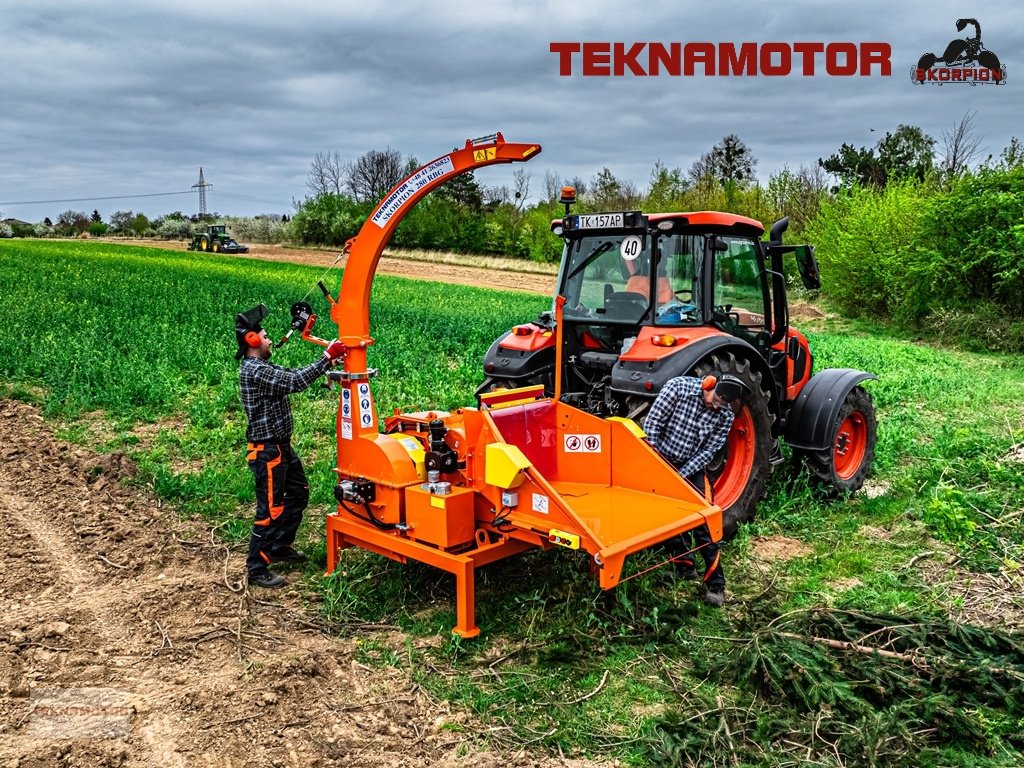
(101, 99)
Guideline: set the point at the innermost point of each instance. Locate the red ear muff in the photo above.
(253, 340)
(708, 383)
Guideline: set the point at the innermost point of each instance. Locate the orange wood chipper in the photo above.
(459, 490)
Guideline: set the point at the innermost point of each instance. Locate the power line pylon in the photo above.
(201, 186)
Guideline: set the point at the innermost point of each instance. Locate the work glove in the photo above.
(335, 352)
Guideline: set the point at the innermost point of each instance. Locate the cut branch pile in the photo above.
(840, 688)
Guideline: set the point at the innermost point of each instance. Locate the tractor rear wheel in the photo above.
(842, 468)
(739, 472)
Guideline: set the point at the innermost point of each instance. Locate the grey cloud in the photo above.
(103, 99)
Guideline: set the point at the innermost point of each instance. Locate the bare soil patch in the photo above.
(800, 311)
(771, 549)
(982, 599)
(103, 587)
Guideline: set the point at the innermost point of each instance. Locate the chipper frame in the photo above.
(458, 490)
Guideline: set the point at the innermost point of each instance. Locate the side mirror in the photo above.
(808, 267)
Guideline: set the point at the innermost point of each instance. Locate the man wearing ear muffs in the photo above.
(688, 424)
(282, 490)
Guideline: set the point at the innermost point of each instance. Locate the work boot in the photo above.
(267, 579)
(686, 573)
(684, 570)
(288, 555)
(715, 597)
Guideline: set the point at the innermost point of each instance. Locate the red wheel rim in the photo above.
(739, 461)
(850, 445)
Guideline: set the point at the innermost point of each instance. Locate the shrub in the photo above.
(175, 229)
(973, 240)
(327, 219)
(865, 243)
(985, 326)
(266, 228)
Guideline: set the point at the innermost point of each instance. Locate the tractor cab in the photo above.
(661, 280)
(700, 276)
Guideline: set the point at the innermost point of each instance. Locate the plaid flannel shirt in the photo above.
(265, 390)
(683, 428)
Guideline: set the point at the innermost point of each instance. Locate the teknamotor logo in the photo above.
(706, 59)
(965, 60)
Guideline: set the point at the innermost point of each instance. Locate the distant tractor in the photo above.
(216, 240)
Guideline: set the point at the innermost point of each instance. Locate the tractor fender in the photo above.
(631, 378)
(515, 358)
(810, 421)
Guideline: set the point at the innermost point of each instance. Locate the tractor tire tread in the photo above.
(744, 508)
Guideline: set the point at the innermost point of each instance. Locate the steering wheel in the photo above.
(582, 310)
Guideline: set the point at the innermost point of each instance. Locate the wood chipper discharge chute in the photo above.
(459, 490)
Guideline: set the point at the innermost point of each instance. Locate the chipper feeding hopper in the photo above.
(459, 490)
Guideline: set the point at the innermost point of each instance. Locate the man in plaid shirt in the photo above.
(688, 424)
(282, 490)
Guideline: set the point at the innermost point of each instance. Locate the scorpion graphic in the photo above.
(964, 52)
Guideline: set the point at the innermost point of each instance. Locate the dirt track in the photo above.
(417, 270)
(101, 587)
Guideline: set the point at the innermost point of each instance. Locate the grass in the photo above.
(484, 261)
(130, 348)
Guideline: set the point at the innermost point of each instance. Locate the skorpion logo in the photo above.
(965, 60)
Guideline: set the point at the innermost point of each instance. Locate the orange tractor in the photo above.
(459, 490)
(650, 297)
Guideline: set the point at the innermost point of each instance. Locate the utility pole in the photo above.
(201, 186)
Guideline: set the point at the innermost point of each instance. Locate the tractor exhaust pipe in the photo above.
(778, 228)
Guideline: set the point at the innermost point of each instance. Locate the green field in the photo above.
(109, 339)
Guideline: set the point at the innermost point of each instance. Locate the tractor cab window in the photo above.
(680, 260)
(739, 287)
(603, 277)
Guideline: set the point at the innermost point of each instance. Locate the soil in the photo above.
(772, 549)
(104, 588)
(482, 277)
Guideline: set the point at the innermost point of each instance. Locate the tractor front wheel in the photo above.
(842, 468)
(216, 246)
(204, 244)
(739, 473)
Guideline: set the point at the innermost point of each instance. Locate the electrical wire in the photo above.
(369, 518)
(92, 199)
(501, 521)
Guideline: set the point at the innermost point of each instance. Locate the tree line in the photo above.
(913, 229)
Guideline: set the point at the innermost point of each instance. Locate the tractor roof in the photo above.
(708, 221)
(725, 223)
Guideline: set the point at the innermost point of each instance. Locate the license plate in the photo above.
(600, 220)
